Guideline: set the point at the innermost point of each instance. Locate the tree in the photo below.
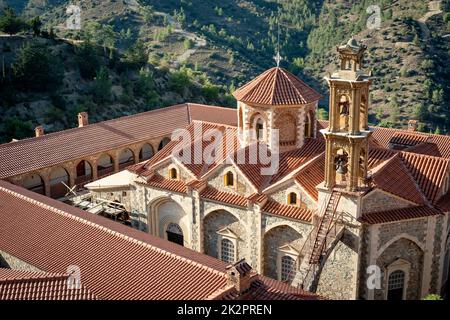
(432, 297)
(88, 60)
(145, 87)
(136, 56)
(188, 43)
(10, 23)
(438, 96)
(17, 128)
(101, 88)
(322, 114)
(36, 68)
(35, 25)
(180, 80)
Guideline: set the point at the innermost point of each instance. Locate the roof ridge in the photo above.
(52, 134)
(112, 232)
(292, 84)
(414, 154)
(272, 91)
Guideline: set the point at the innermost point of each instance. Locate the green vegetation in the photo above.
(125, 62)
(433, 297)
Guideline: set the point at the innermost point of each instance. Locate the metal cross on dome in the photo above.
(278, 58)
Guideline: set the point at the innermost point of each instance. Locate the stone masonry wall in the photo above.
(380, 201)
(409, 251)
(337, 279)
(11, 262)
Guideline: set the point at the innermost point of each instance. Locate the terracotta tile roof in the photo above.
(213, 114)
(378, 156)
(211, 193)
(196, 147)
(408, 138)
(398, 214)
(394, 174)
(444, 203)
(277, 86)
(288, 211)
(311, 175)
(291, 160)
(265, 288)
(26, 285)
(116, 262)
(33, 153)
(428, 171)
(430, 144)
(158, 181)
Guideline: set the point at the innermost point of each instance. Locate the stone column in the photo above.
(94, 168)
(45, 174)
(115, 157)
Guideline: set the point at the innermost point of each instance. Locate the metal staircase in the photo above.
(323, 237)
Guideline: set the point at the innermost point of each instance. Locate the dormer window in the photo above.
(173, 174)
(229, 179)
(292, 198)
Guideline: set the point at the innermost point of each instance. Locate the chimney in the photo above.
(39, 131)
(82, 119)
(412, 125)
(240, 276)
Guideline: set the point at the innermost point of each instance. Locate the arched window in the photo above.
(287, 268)
(175, 234)
(396, 285)
(292, 198)
(259, 129)
(227, 251)
(229, 179)
(173, 174)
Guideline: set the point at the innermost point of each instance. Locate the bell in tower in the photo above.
(348, 131)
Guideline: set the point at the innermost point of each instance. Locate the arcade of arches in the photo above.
(50, 181)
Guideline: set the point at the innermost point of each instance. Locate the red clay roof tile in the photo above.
(59, 147)
(26, 285)
(399, 214)
(278, 87)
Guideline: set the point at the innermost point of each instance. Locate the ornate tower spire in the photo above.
(348, 132)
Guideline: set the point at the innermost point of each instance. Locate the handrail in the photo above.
(304, 246)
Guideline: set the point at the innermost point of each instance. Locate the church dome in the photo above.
(277, 87)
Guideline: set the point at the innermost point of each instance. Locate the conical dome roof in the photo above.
(277, 87)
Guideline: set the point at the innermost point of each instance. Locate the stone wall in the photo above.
(242, 187)
(415, 228)
(437, 254)
(378, 200)
(281, 194)
(218, 220)
(337, 279)
(11, 262)
(409, 251)
(273, 240)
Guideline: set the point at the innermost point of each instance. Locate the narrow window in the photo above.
(259, 129)
(229, 179)
(396, 284)
(227, 251)
(173, 175)
(287, 268)
(292, 198)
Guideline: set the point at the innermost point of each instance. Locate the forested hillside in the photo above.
(135, 55)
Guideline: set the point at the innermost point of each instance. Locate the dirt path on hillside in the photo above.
(177, 28)
(434, 7)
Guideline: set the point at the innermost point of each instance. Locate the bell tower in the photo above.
(348, 132)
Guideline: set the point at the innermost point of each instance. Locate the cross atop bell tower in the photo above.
(348, 132)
